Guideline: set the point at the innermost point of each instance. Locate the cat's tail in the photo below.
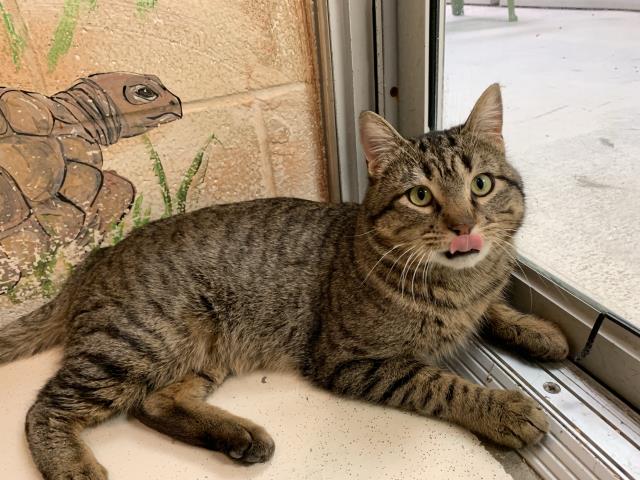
(34, 332)
(46, 326)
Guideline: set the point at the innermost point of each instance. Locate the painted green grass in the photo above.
(41, 281)
(180, 200)
(140, 218)
(12, 295)
(65, 31)
(17, 43)
(63, 36)
(143, 6)
(187, 179)
(117, 231)
(43, 272)
(158, 170)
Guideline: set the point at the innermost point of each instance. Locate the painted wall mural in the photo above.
(115, 148)
(52, 185)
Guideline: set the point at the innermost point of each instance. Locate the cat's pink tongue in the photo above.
(464, 243)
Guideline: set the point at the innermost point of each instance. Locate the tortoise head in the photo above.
(142, 101)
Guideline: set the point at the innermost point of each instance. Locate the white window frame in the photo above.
(366, 47)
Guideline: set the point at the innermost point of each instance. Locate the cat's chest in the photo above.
(439, 332)
(439, 329)
(451, 314)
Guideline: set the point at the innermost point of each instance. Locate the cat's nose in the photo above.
(461, 228)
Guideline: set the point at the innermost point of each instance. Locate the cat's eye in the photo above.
(420, 196)
(482, 185)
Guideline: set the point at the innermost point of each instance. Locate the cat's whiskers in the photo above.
(365, 233)
(379, 260)
(499, 232)
(413, 279)
(551, 283)
(429, 270)
(432, 236)
(386, 279)
(415, 268)
(424, 271)
(504, 246)
(501, 228)
(404, 269)
(500, 243)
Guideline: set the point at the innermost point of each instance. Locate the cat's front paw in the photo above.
(515, 420)
(544, 340)
(534, 337)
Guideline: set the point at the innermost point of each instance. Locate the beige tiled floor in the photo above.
(318, 436)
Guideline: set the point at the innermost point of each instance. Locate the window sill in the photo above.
(593, 435)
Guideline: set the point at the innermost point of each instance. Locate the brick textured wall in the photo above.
(243, 70)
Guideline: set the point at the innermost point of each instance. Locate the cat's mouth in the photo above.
(457, 254)
(465, 245)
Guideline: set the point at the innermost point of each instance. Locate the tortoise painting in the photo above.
(53, 190)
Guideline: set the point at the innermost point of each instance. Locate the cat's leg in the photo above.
(180, 411)
(505, 416)
(85, 391)
(526, 333)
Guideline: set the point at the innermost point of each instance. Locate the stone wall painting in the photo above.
(81, 168)
(53, 190)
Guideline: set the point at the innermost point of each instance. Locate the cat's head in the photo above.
(452, 193)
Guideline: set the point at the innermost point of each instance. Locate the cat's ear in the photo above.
(485, 119)
(379, 142)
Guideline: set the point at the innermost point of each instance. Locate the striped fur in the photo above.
(360, 299)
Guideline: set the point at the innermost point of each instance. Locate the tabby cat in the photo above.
(361, 299)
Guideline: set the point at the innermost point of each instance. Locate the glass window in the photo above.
(571, 93)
